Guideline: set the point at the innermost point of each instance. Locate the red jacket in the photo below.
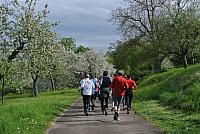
(119, 85)
(131, 84)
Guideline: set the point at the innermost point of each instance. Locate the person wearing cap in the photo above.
(86, 86)
(119, 85)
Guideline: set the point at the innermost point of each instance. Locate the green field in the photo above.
(171, 100)
(170, 121)
(32, 115)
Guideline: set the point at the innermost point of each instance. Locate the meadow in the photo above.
(33, 115)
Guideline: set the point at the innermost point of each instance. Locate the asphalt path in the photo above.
(73, 121)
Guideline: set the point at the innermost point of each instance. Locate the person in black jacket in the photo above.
(105, 83)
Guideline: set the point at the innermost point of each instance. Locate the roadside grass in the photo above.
(179, 88)
(170, 121)
(32, 115)
(171, 100)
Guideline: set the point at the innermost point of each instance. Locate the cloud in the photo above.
(84, 20)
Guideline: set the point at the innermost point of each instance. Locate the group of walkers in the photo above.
(120, 89)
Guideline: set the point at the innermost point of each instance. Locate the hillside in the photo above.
(179, 88)
(171, 100)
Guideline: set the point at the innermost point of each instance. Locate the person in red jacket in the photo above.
(129, 92)
(119, 85)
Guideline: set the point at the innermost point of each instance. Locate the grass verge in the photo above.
(170, 121)
(32, 115)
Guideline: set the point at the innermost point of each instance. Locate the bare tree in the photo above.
(139, 19)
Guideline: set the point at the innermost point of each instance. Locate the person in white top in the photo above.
(86, 86)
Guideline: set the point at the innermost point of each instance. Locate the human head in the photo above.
(105, 73)
(82, 75)
(120, 72)
(87, 76)
(128, 76)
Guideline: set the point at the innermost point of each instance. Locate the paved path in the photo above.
(73, 121)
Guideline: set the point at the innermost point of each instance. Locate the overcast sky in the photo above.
(85, 20)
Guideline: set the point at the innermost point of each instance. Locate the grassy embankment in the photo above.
(171, 100)
(32, 115)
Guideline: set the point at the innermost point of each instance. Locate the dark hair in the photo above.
(105, 73)
(128, 76)
(87, 76)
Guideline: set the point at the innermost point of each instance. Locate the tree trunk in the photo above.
(193, 59)
(34, 89)
(21, 90)
(185, 61)
(2, 89)
(53, 87)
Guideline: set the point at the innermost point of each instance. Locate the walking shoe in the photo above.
(128, 110)
(118, 119)
(86, 114)
(106, 113)
(124, 108)
(115, 117)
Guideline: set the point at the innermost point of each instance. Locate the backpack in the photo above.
(105, 82)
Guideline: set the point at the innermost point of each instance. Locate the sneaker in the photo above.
(115, 117)
(118, 119)
(128, 110)
(86, 114)
(106, 113)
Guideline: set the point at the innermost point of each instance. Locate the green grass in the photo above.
(170, 121)
(32, 115)
(179, 88)
(171, 100)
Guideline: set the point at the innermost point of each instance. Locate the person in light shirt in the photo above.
(86, 86)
